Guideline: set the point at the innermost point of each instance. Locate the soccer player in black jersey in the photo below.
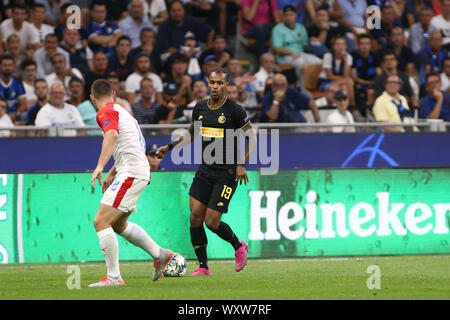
(217, 120)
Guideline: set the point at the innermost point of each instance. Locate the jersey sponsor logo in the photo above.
(212, 132)
(222, 119)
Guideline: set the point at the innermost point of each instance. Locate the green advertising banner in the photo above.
(296, 213)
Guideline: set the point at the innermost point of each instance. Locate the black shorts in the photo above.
(214, 188)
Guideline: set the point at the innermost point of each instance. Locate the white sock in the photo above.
(110, 250)
(137, 236)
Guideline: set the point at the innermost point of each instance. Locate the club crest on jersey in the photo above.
(200, 117)
(222, 119)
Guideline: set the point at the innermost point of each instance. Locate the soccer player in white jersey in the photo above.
(122, 186)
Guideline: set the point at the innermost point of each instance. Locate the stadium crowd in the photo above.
(326, 61)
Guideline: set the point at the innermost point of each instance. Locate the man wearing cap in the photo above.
(341, 115)
(169, 111)
(208, 64)
(289, 39)
(153, 160)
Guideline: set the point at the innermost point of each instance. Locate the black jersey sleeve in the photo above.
(240, 117)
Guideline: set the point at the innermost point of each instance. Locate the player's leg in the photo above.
(223, 191)
(106, 216)
(198, 235)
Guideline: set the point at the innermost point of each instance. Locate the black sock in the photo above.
(199, 242)
(224, 231)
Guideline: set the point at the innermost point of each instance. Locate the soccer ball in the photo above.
(176, 267)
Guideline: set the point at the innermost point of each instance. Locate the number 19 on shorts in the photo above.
(226, 192)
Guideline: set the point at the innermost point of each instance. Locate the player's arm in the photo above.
(250, 146)
(108, 146)
(180, 142)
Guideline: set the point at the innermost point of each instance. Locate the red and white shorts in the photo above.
(123, 193)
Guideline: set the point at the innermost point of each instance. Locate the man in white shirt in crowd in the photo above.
(29, 37)
(43, 55)
(341, 115)
(5, 120)
(57, 113)
(142, 70)
(62, 73)
(37, 19)
(445, 75)
(442, 23)
(266, 71)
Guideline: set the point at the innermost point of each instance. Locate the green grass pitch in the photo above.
(401, 277)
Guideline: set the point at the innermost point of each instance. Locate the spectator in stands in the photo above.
(51, 10)
(121, 62)
(76, 94)
(248, 99)
(337, 66)
(405, 55)
(191, 49)
(445, 75)
(144, 109)
(153, 160)
(257, 21)
(41, 91)
(80, 56)
(321, 32)
(37, 19)
(148, 46)
(218, 49)
(389, 67)
(266, 71)
(231, 91)
(289, 40)
(57, 113)
(354, 14)
(118, 87)
(332, 7)
(420, 31)
(142, 67)
(172, 31)
(208, 11)
(391, 106)
(169, 111)
(5, 120)
(235, 71)
(442, 23)
(179, 78)
(432, 56)
(208, 64)
(61, 27)
(199, 92)
(327, 100)
(29, 37)
(341, 115)
(29, 72)
(11, 89)
(300, 7)
(13, 49)
(63, 73)
(132, 25)
(436, 104)
(102, 34)
(382, 34)
(43, 55)
(156, 11)
(283, 104)
(365, 68)
(100, 65)
(413, 9)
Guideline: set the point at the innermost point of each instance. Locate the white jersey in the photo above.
(129, 154)
(50, 116)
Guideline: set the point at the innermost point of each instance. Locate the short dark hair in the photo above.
(21, 6)
(27, 62)
(389, 52)
(98, 3)
(6, 56)
(101, 89)
(123, 37)
(38, 5)
(223, 71)
(324, 7)
(178, 56)
(432, 74)
(40, 80)
(364, 36)
(75, 79)
(289, 7)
